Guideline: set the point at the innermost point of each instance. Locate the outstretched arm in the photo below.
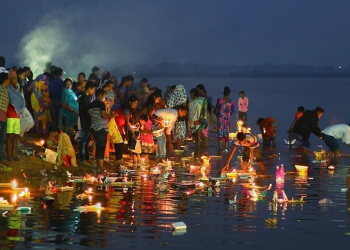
(230, 158)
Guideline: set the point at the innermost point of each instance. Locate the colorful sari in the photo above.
(198, 114)
(177, 98)
(68, 118)
(40, 101)
(225, 111)
(147, 142)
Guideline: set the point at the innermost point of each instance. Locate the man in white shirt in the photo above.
(331, 134)
(166, 118)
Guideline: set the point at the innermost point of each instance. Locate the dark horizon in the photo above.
(87, 33)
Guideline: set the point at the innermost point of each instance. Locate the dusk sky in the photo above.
(241, 32)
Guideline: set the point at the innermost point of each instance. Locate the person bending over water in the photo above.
(268, 128)
(251, 148)
(331, 134)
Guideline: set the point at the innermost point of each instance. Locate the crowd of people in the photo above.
(102, 115)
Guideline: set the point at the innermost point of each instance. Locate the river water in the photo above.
(141, 217)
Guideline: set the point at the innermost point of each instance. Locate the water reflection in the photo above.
(141, 215)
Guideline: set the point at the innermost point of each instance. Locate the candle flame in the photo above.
(14, 198)
(14, 184)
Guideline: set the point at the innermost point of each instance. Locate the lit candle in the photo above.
(230, 136)
(14, 184)
(280, 173)
(14, 198)
(239, 126)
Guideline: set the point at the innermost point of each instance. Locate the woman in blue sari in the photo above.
(70, 108)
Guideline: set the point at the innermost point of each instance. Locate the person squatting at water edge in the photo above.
(307, 124)
(250, 145)
(331, 134)
(268, 128)
(292, 136)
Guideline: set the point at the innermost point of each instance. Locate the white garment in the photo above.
(137, 149)
(339, 131)
(169, 117)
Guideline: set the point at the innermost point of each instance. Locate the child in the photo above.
(52, 141)
(135, 143)
(292, 136)
(147, 143)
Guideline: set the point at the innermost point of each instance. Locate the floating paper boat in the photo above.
(179, 228)
(301, 168)
(291, 143)
(179, 151)
(5, 205)
(63, 189)
(319, 161)
(87, 208)
(253, 186)
(77, 179)
(122, 183)
(179, 225)
(185, 183)
(271, 221)
(320, 154)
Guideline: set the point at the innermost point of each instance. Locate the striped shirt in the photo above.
(97, 121)
(250, 141)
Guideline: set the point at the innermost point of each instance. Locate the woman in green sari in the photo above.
(198, 115)
(70, 108)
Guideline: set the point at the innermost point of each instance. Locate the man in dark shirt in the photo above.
(93, 77)
(307, 124)
(85, 122)
(99, 125)
(56, 87)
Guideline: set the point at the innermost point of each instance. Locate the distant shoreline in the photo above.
(155, 75)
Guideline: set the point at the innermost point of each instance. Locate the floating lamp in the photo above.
(14, 184)
(239, 125)
(87, 208)
(280, 173)
(301, 168)
(4, 204)
(232, 135)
